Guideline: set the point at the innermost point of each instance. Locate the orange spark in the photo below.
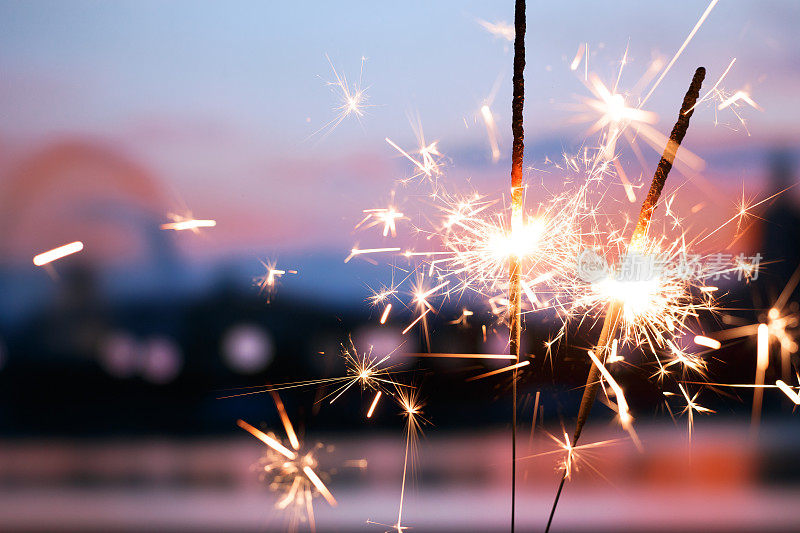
(266, 439)
(314, 478)
(762, 362)
(57, 253)
(287, 424)
(189, 224)
(464, 355)
(499, 370)
(707, 342)
(788, 391)
(374, 404)
(385, 314)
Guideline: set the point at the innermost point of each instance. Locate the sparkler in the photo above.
(637, 242)
(525, 261)
(55, 254)
(532, 255)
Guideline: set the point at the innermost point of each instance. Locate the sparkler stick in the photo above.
(514, 289)
(613, 311)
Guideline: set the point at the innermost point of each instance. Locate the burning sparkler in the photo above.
(514, 283)
(616, 309)
(523, 259)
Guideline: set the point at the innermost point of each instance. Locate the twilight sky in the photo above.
(217, 99)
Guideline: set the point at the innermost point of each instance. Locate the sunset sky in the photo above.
(217, 103)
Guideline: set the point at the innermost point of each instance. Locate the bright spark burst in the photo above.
(692, 407)
(291, 472)
(610, 113)
(363, 369)
(575, 457)
(616, 114)
(267, 283)
(386, 216)
(658, 288)
(352, 98)
(429, 161)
